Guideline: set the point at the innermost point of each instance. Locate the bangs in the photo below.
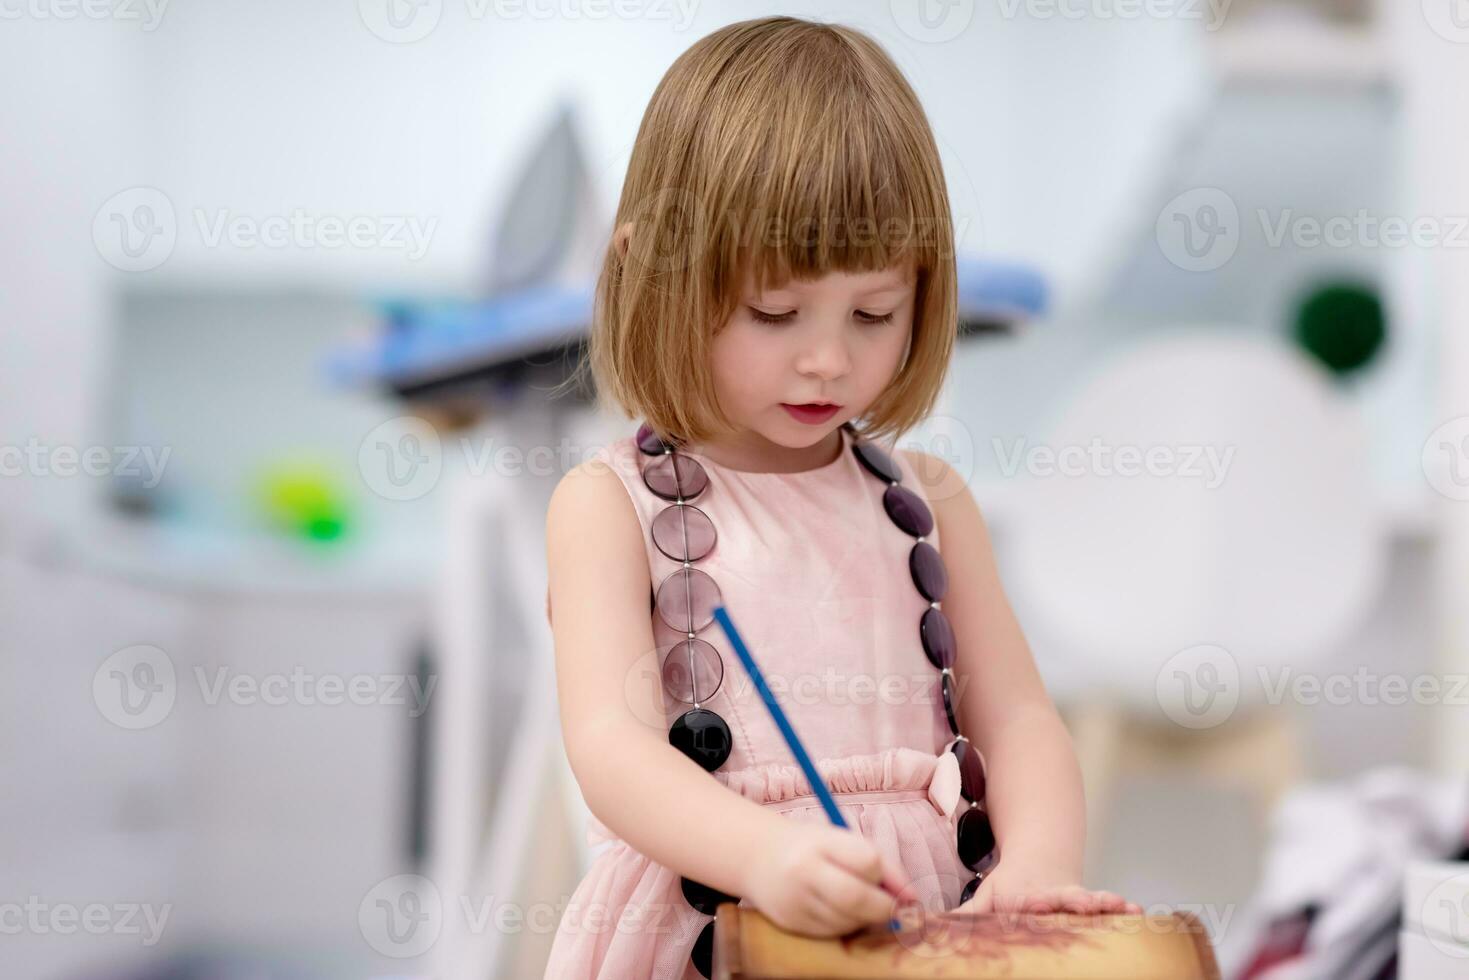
(836, 179)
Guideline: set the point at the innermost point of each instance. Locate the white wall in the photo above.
(1049, 127)
(1436, 80)
(69, 132)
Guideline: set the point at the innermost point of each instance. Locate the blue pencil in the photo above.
(783, 723)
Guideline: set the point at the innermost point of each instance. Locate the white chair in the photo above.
(1170, 591)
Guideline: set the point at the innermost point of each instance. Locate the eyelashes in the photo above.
(862, 317)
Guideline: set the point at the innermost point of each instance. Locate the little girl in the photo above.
(777, 301)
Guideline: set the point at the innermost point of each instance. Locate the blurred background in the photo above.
(285, 291)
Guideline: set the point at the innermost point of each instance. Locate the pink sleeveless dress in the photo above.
(815, 577)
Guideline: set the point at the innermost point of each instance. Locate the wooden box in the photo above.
(955, 946)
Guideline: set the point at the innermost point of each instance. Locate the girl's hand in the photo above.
(1018, 888)
(821, 880)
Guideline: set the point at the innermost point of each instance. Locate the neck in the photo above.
(753, 452)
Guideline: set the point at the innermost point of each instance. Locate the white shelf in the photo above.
(197, 562)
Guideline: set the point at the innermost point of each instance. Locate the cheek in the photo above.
(740, 363)
(887, 354)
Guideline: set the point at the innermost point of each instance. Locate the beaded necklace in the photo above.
(693, 669)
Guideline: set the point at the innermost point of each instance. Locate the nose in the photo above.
(826, 356)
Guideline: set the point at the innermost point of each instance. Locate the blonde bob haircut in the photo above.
(773, 149)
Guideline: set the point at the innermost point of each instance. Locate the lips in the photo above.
(812, 413)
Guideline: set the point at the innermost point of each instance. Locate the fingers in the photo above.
(1069, 899)
(860, 857)
(851, 896)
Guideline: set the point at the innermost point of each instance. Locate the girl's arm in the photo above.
(646, 791)
(1033, 790)
(607, 683)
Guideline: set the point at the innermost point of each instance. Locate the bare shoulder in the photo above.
(595, 557)
(939, 479)
(590, 502)
(945, 489)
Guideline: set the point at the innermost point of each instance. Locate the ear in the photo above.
(620, 238)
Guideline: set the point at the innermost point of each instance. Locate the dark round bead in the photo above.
(683, 532)
(702, 897)
(703, 736)
(938, 638)
(907, 510)
(675, 476)
(971, 771)
(703, 954)
(692, 670)
(947, 686)
(929, 573)
(687, 599)
(876, 460)
(971, 888)
(976, 839)
(649, 442)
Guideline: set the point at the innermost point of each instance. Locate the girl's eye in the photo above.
(863, 315)
(764, 317)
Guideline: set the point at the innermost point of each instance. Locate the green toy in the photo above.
(1342, 325)
(304, 498)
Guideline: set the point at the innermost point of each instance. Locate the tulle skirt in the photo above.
(628, 919)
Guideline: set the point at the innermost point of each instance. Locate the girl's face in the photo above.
(837, 339)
